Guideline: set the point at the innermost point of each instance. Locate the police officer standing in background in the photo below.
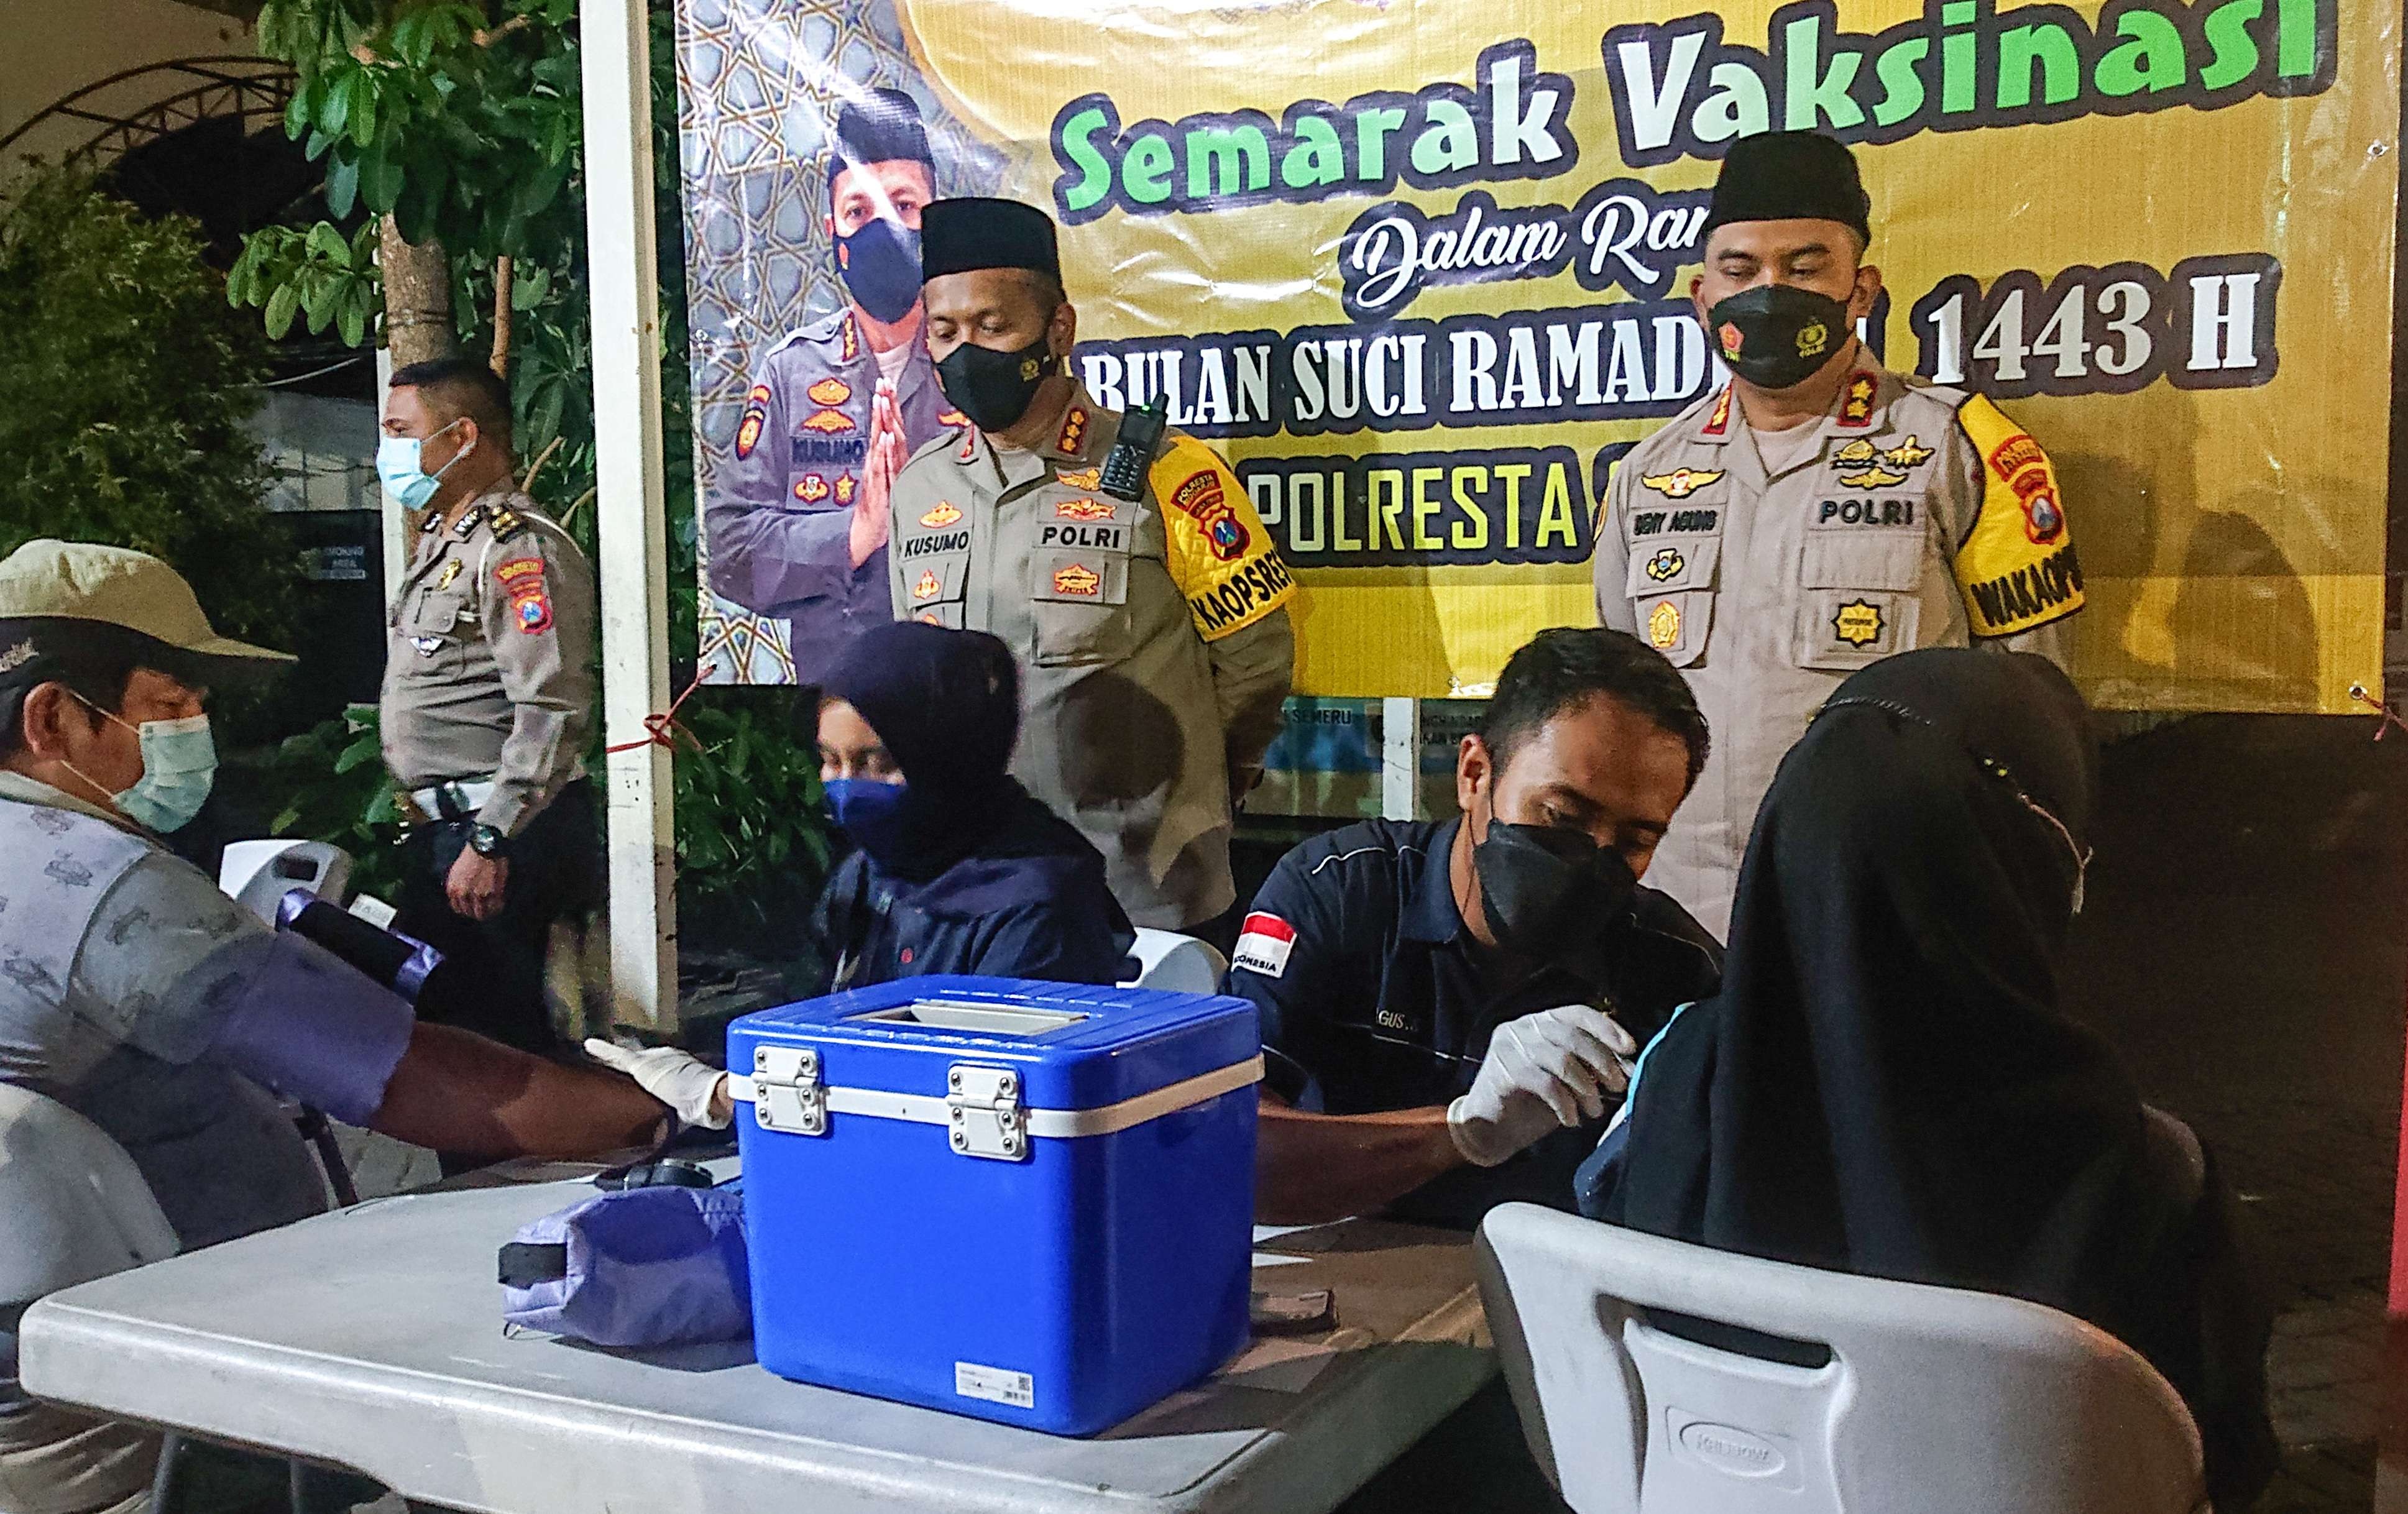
(1136, 586)
(488, 698)
(1818, 514)
(797, 514)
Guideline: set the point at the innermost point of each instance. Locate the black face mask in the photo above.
(1778, 336)
(1547, 891)
(880, 266)
(994, 389)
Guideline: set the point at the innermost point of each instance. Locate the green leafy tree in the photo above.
(335, 788)
(463, 123)
(125, 386)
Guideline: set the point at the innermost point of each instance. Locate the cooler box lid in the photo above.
(1074, 1046)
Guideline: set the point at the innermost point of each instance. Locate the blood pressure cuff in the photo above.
(300, 1020)
(401, 962)
(640, 1267)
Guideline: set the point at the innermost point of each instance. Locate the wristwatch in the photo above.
(486, 840)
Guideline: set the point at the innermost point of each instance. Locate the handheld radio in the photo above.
(1140, 436)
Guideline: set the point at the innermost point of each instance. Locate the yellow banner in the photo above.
(1420, 268)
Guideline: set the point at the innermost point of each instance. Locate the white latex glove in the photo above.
(1545, 1072)
(695, 1089)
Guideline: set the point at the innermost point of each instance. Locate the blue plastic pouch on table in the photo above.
(640, 1267)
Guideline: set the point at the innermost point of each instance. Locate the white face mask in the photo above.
(179, 767)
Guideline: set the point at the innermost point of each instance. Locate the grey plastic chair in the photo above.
(1877, 1397)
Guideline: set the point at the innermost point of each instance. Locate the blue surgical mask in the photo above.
(397, 468)
(880, 267)
(873, 814)
(179, 767)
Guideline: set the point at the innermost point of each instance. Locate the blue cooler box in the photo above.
(1027, 1202)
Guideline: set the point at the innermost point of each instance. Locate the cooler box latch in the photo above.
(787, 1094)
(984, 1106)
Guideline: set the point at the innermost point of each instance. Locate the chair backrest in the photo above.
(73, 1206)
(259, 874)
(1176, 963)
(1891, 1398)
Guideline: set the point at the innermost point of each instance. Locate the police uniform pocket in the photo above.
(933, 583)
(1676, 624)
(1858, 600)
(438, 611)
(1846, 550)
(1081, 607)
(434, 632)
(1670, 586)
(1679, 563)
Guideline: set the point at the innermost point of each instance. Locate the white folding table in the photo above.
(370, 1338)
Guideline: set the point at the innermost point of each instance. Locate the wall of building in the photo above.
(55, 49)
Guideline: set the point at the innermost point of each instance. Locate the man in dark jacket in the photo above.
(1449, 1007)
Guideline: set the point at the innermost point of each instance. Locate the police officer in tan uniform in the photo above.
(488, 699)
(798, 515)
(1818, 513)
(1150, 624)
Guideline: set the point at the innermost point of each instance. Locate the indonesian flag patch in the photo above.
(1263, 944)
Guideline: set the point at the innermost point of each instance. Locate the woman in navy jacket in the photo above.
(959, 869)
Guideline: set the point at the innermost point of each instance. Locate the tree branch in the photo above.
(501, 357)
(487, 38)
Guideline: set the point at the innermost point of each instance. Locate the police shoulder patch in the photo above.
(1718, 419)
(530, 599)
(1217, 549)
(1072, 442)
(2017, 566)
(1857, 404)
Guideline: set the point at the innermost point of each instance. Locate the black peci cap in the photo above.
(879, 126)
(966, 234)
(1787, 175)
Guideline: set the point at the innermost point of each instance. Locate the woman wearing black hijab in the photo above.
(959, 869)
(1886, 1084)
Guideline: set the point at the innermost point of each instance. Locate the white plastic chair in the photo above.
(73, 1206)
(259, 874)
(1930, 1398)
(1176, 963)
